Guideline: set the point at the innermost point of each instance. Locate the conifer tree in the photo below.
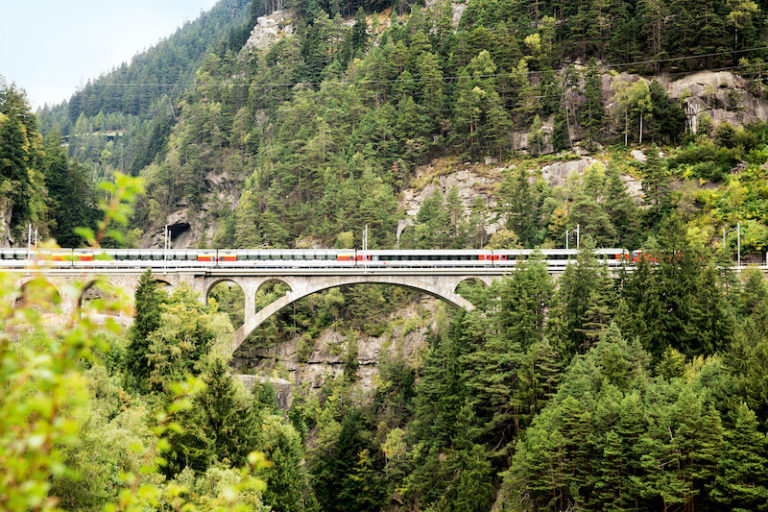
(225, 418)
(741, 481)
(592, 116)
(525, 298)
(148, 301)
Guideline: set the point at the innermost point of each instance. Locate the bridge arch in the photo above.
(269, 291)
(472, 281)
(273, 281)
(441, 287)
(213, 283)
(230, 295)
(38, 291)
(163, 283)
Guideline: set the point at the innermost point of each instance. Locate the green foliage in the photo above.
(71, 437)
(147, 302)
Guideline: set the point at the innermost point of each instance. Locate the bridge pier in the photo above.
(441, 287)
(72, 285)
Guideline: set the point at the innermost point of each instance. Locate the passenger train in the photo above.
(297, 258)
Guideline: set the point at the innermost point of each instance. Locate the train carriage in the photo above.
(22, 258)
(296, 258)
(286, 258)
(432, 258)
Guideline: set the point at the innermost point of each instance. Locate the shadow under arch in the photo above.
(102, 294)
(469, 287)
(256, 320)
(162, 284)
(230, 299)
(269, 291)
(38, 292)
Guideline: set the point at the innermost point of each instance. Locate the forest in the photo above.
(643, 389)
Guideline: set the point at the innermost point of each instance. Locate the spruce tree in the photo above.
(225, 418)
(148, 301)
(741, 482)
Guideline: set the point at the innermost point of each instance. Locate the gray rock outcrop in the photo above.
(269, 29)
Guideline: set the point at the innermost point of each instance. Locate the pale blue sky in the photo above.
(50, 47)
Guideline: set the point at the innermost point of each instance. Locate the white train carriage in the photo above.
(22, 258)
(285, 258)
(555, 258)
(432, 258)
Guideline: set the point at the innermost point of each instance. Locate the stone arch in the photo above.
(473, 280)
(210, 284)
(465, 286)
(37, 291)
(440, 287)
(97, 289)
(263, 289)
(231, 299)
(163, 283)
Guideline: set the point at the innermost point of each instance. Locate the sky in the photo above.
(52, 47)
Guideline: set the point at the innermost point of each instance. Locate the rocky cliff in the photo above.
(405, 339)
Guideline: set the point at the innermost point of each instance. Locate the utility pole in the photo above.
(738, 242)
(578, 235)
(166, 242)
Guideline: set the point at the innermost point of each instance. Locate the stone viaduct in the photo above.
(75, 286)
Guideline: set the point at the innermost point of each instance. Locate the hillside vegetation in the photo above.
(644, 390)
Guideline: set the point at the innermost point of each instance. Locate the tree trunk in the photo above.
(626, 128)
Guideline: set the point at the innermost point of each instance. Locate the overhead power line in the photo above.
(233, 82)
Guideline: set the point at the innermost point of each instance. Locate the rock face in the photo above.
(268, 29)
(557, 174)
(282, 388)
(188, 226)
(327, 359)
(472, 181)
(721, 95)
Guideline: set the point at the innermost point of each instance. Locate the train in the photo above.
(291, 258)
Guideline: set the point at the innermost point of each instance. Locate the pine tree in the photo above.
(466, 113)
(741, 481)
(621, 209)
(225, 418)
(525, 298)
(581, 289)
(592, 115)
(498, 125)
(599, 312)
(711, 325)
(522, 203)
(147, 319)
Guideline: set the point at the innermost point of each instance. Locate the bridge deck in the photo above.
(276, 272)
